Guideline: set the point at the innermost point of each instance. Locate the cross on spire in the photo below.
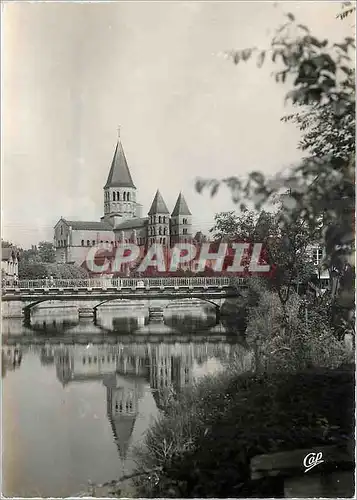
(119, 132)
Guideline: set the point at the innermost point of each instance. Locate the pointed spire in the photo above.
(122, 427)
(119, 174)
(158, 205)
(181, 207)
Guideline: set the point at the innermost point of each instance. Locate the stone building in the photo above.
(122, 220)
(9, 263)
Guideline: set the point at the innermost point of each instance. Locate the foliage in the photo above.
(46, 252)
(323, 90)
(31, 270)
(40, 270)
(66, 271)
(286, 247)
(230, 226)
(347, 9)
(230, 421)
(30, 255)
(299, 340)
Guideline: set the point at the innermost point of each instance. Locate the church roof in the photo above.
(119, 174)
(158, 205)
(135, 223)
(181, 207)
(89, 225)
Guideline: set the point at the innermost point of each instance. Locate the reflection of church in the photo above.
(123, 395)
(125, 370)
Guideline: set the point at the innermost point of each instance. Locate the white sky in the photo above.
(73, 72)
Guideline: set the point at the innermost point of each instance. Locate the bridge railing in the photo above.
(124, 282)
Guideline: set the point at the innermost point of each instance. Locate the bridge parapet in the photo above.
(94, 284)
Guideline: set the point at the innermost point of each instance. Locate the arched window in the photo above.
(93, 242)
(164, 230)
(118, 196)
(128, 196)
(82, 243)
(124, 196)
(164, 240)
(160, 230)
(113, 195)
(164, 219)
(88, 243)
(159, 219)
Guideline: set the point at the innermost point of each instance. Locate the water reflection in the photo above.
(121, 324)
(11, 358)
(123, 383)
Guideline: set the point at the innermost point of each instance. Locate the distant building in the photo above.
(122, 220)
(9, 263)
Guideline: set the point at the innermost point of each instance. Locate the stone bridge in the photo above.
(18, 300)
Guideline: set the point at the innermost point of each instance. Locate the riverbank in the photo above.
(204, 445)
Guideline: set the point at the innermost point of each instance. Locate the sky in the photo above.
(72, 73)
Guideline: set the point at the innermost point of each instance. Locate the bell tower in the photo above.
(181, 222)
(159, 221)
(119, 190)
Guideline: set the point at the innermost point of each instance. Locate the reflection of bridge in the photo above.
(29, 293)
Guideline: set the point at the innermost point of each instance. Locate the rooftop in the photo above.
(119, 174)
(89, 225)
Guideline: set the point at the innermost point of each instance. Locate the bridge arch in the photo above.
(106, 301)
(30, 306)
(197, 298)
(169, 301)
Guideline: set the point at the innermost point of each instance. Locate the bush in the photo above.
(31, 270)
(66, 271)
(39, 270)
(292, 342)
(224, 423)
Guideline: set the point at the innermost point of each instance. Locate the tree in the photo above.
(40, 270)
(31, 270)
(30, 255)
(231, 226)
(46, 252)
(322, 82)
(285, 247)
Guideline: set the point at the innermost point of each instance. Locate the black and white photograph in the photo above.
(178, 249)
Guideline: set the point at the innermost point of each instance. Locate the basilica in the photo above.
(122, 220)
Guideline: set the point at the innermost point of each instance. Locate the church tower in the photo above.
(181, 222)
(159, 221)
(123, 397)
(119, 190)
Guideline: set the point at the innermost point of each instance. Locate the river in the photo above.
(79, 395)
